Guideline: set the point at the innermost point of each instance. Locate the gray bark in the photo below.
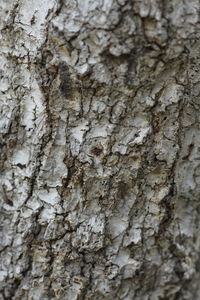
(100, 155)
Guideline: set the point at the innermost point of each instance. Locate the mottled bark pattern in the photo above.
(100, 149)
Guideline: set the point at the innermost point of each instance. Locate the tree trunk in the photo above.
(100, 156)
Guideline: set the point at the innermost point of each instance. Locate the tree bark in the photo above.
(100, 156)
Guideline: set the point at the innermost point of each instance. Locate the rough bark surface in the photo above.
(100, 153)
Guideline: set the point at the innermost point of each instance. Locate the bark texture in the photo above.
(100, 149)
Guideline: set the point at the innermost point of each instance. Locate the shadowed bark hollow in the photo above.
(100, 150)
